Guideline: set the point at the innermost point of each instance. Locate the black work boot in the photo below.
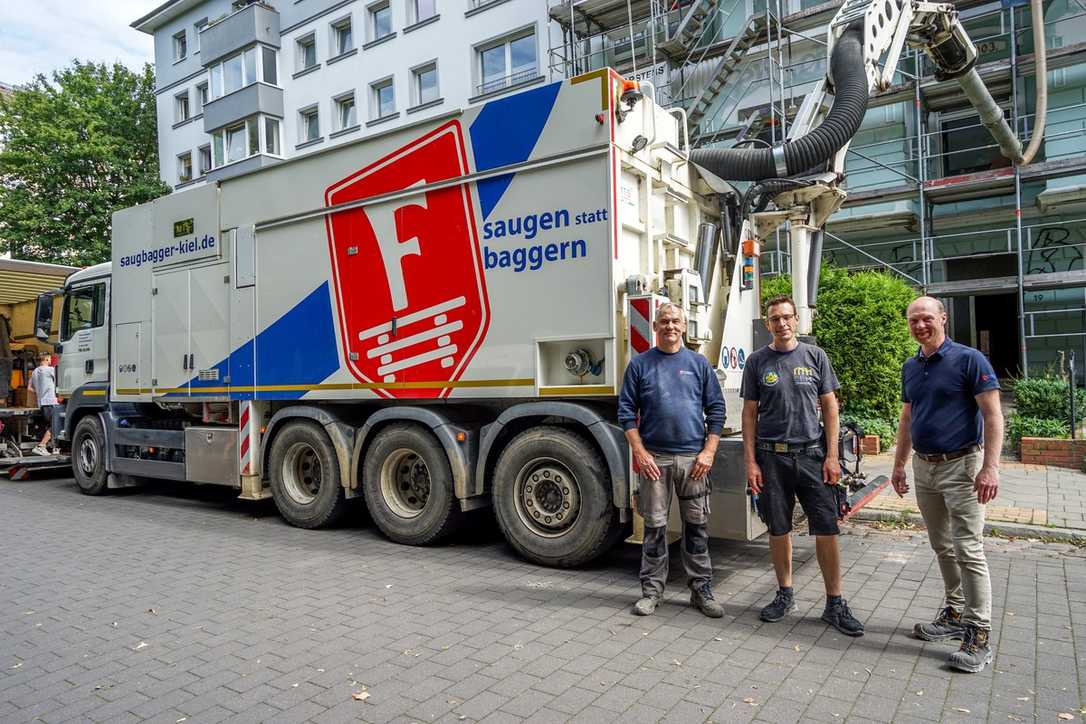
(838, 615)
(783, 603)
(947, 625)
(701, 598)
(975, 651)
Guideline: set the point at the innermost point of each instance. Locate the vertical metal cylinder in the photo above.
(705, 254)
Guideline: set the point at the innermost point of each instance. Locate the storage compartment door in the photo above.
(170, 330)
(209, 341)
(126, 356)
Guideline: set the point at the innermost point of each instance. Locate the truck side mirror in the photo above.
(43, 315)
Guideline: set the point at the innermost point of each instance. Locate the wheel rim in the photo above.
(405, 483)
(302, 474)
(88, 456)
(547, 497)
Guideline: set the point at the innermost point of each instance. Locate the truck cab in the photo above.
(83, 346)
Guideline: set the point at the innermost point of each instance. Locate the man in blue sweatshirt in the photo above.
(672, 410)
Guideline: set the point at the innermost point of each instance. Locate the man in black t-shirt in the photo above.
(789, 454)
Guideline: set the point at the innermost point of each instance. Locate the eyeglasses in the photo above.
(778, 318)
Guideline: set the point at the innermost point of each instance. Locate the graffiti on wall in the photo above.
(1053, 251)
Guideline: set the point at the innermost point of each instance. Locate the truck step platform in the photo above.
(22, 467)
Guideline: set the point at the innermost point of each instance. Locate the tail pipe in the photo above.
(840, 125)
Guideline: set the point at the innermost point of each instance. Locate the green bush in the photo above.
(861, 325)
(1047, 397)
(887, 431)
(1020, 426)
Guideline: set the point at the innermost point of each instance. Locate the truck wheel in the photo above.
(304, 475)
(88, 456)
(552, 498)
(408, 486)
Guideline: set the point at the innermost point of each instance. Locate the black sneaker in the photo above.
(975, 651)
(701, 598)
(840, 617)
(783, 604)
(947, 625)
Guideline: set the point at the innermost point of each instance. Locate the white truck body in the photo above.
(479, 275)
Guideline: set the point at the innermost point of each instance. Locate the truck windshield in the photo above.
(84, 307)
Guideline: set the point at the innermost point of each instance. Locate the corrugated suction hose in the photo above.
(840, 125)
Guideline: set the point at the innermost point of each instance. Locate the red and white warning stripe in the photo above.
(640, 316)
(245, 435)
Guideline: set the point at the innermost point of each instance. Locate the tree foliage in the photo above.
(72, 151)
(861, 325)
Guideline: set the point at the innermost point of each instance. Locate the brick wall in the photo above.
(1049, 451)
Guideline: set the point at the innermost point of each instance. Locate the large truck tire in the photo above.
(304, 475)
(408, 486)
(552, 498)
(88, 456)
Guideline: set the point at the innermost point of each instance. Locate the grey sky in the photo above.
(40, 36)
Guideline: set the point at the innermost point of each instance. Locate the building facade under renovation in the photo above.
(930, 196)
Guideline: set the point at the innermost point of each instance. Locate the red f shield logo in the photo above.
(407, 271)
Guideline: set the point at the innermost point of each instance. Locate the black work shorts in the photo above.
(788, 476)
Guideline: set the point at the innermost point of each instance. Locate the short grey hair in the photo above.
(669, 305)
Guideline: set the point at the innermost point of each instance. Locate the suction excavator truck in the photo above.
(437, 319)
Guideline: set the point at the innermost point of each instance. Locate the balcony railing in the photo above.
(497, 84)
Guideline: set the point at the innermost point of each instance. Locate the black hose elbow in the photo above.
(843, 120)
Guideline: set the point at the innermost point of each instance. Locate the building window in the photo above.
(424, 82)
(233, 73)
(422, 9)
(380, 21)
(346, 115)
(269, 65)
(968, 147)
(181, 107)
(184, 167)
(506, 62)
(271, 137)
(307, 52)
(180, 46)
(201, 97)
(342, 37)
(205, 159)
(200, 25)
(309, 124)
(384, 99)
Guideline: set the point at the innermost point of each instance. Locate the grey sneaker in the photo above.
(782, 605)
(975, 651)
(839, 616)
(947, 625)
(701, 598)
(646, 606)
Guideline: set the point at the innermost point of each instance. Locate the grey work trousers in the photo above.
(653, 503)
(955, 522)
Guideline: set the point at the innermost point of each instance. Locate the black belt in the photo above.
(946, 457)
(788, 447)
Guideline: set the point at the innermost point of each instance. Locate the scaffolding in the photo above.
(741, 69)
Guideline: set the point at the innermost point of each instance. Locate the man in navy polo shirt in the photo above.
(952, 419)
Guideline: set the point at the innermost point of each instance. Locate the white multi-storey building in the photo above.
(242, 84)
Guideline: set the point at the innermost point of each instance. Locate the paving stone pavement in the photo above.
(173, 604)
(1033, 494)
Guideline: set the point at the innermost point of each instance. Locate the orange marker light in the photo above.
(461, 437)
